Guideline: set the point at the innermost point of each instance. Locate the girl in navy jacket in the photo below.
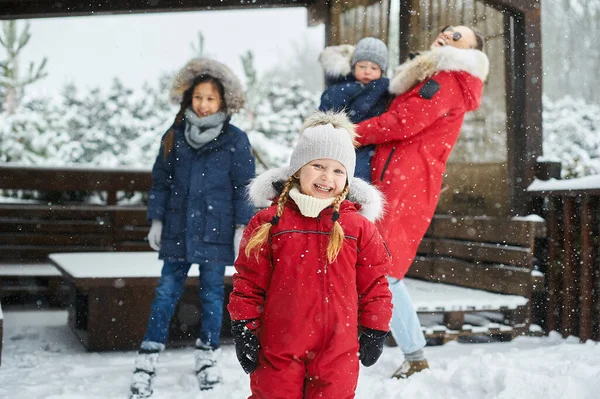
(196, 206)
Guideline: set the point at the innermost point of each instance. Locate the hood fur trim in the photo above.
(446, 58)
(337, 60)
(262, 192)
(234, 92)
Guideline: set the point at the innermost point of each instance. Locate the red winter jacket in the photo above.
(414, 139)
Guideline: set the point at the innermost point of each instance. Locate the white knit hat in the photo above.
(324, 141)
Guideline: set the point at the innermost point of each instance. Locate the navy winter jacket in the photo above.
(200, 195)
(359, 101)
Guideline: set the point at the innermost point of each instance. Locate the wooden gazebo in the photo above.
(346, 22)
(514, 92)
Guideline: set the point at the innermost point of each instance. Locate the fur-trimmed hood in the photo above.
(234, 92)
(446, 58)
(337, 60)
(262, 191)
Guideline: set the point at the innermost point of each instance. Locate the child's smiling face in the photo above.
(367, 71)
(322, 178)
(206, 99)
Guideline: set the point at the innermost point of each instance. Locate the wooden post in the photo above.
(553, 282)
(569, 276)
(586, 315)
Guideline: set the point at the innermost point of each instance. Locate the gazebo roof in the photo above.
(13, 9)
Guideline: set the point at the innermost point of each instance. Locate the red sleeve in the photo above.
(252, 277)
(374, 297)
(413, 114)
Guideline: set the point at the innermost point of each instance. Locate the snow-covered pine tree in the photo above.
(572, 135)
(274, 112)
(278, 117)
(11, 80)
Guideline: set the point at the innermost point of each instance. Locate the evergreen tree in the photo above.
(11, 81)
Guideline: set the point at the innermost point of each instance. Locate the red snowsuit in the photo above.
(310, 310)
(414, 139)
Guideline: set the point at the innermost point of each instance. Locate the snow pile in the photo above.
(42, 359)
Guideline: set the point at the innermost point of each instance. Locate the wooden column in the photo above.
(523, 35)
(569, 277)
(586, 315)
(553, 281)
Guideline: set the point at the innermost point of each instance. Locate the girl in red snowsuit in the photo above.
(311, 271)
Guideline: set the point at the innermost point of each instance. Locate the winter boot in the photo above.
(408, 368)
(145, 370)
(207, 369)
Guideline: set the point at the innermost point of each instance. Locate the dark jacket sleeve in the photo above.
(242, 171)
(161, 183)
(359, 101)
(370, 101)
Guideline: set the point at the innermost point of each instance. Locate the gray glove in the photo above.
(155, 234)
(237, 238)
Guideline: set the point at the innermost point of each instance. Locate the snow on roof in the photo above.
(581, 183)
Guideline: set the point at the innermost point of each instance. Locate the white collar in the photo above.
(309, 206)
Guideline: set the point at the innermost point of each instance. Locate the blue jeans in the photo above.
(168, 292)
(406, 327)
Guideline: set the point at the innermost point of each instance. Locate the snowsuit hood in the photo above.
(234, 92)
(268, 185)
(337, 60)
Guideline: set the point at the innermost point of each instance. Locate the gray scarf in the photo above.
(200, 131)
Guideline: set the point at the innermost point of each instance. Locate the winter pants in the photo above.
(168, 292)
(406, 327)
(329, 374)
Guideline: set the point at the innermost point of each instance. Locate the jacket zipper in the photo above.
(324, 287)
(387, 163)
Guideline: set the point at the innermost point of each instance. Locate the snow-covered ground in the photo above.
(42, 359)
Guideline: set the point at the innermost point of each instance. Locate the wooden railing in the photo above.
(572, 212)
(63, 179)
(31, 230)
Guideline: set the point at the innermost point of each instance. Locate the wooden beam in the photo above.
(404, 21)
(16, 9)
(73, 179)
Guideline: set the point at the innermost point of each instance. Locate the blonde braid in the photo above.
(261, 234)
(336, 239)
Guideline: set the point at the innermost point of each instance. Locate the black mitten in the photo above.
(371, 345)
(246, 343)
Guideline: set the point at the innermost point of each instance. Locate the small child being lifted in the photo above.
(357, 86)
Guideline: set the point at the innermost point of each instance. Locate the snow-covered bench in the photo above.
(22, 280)
(111, 294)
(478, 264)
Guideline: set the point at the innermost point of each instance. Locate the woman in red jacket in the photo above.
(311, 270)
(413, 141)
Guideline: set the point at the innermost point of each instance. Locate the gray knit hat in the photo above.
(324, 141)
(371, 49)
